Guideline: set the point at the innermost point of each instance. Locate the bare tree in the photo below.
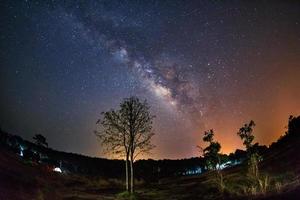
(115, 137)
(128, 132)
(138, 120)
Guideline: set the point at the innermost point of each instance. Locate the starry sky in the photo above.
(200, 65)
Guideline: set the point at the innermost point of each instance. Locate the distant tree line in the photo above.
(148, 170)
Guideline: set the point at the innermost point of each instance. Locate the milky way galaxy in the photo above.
(200, 64)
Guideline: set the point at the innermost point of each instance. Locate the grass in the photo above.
(126, 196)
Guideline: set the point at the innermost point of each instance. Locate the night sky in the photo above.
(200, 65)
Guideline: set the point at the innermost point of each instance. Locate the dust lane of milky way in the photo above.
(200, 65)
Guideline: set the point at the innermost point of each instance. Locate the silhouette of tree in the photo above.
(211, 152)
(115, 137)
(128, 131)
(246, 135)
(291, 135)
(139, 124)
(213, 157)
(40, 140)
(293, 126)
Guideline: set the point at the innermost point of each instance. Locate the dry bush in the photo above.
(278, 187)
(264, 184)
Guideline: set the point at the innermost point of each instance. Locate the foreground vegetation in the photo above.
(24, 180)
(276, 176)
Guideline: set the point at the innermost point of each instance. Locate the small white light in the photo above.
(57, 169)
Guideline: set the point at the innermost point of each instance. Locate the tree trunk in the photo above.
(132, 177)
(127, 174)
